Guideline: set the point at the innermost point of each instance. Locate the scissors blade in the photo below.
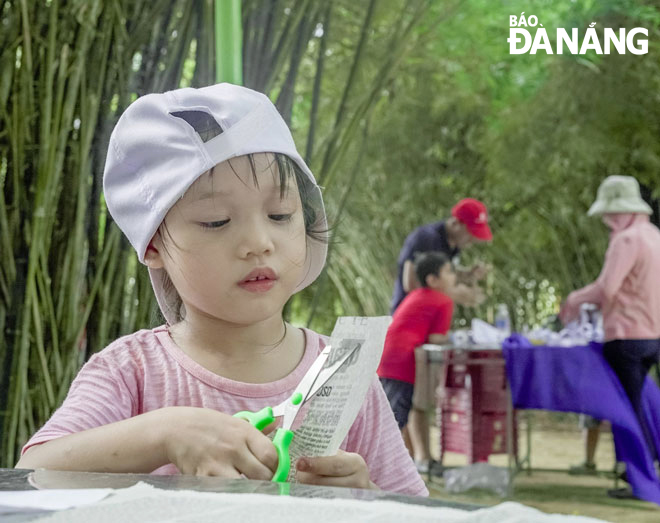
(329, 371)
(290, 407)
(314, 379)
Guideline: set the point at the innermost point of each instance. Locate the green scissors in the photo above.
(314, 379)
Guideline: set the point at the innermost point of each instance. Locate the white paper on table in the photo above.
(329, 415)
(53, 499)
(147, 504)
(484, 333)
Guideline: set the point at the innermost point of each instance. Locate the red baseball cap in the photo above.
(474, 215)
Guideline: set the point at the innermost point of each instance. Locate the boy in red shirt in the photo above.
(424, 316)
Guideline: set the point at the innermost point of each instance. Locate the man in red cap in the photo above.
(468, 224)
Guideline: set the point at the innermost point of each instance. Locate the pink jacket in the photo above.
(628, 288)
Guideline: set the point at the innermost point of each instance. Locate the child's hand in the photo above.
(344, 469)
(204, 442)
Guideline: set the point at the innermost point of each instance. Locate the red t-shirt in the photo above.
(422, 312)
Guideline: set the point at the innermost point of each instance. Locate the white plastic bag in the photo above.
(477, 475)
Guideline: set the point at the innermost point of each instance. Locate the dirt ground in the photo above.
(555, 447)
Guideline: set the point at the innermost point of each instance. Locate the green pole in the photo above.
(228, 42)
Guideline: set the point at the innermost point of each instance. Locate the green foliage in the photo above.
(531, 135)
(401, 108)
(69, 282)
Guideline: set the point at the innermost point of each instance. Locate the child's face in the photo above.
(234, 250)
(444, 280)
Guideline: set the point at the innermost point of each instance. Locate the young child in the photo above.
(209, 189)
(424, 316)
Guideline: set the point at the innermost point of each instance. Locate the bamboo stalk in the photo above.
(285, 97)
(48, 284)
(341, 109)
(316, 91)
(68, 282)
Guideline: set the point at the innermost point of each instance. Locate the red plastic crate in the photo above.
(471, 408)
(491, 402)
(483, 354)
(491, 438)
(489, 378)
(455, 430)
(456, 376)
(477, 437)
(455, 399)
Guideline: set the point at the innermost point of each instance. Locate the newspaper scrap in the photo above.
(330, 414)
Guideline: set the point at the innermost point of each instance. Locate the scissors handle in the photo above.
(259, 420)
(281, 441)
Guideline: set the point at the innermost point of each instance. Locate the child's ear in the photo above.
(430, 279)
(152, 257)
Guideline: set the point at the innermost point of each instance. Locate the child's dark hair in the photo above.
(429, 263)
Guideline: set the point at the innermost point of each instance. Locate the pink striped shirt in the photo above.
(146, 371)
(628, 288)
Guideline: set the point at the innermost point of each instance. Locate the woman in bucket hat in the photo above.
(208, 187)
(627, 289)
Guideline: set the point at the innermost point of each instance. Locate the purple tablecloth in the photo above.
(578, 379)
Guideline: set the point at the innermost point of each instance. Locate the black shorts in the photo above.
(399, 394)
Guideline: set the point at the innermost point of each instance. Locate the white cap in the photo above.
(155, 156)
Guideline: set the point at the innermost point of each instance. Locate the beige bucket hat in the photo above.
(619, 194)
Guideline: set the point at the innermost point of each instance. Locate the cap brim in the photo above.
(481, 231)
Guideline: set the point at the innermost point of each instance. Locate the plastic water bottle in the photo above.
(502, 320)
